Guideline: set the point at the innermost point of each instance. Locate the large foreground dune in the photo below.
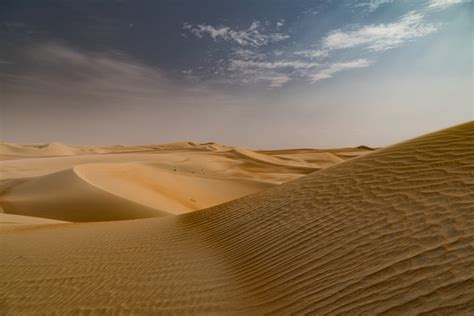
(389, 232)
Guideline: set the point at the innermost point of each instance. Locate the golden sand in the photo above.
(390, 232)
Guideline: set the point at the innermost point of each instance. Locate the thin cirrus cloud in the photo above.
(313, 53)
(247, 54)
(275, 81)
(276, 73)
(281, 64)
(443, 4)
(99, 74)
(372, 5)
(54, 71)
(380, 37)
(332, 69)
(253, 36)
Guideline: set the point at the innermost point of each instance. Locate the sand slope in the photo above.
(391, 232)
(11, 219)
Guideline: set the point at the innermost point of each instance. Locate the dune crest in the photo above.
(390, 232)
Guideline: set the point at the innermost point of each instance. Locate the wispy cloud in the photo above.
(278, 52)
(443, 4)
(254, 36)
(281, 23)
(106, 78)
(332, 69)
(106, 74)
(372, 5)
(280, 72)
(380, 37)
(295, 64)
(313, 53)
(276, 81)
(247, 54)
(277, 72)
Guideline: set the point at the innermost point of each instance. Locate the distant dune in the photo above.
(390, 232)
(87, 184)
(51, 149)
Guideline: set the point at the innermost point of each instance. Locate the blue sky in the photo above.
(254, 73)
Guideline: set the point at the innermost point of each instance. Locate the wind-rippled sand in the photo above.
(390, 232)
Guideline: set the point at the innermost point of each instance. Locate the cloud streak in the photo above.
(380, 37)
(254, 36)
(443, 4)
(55, 71)
(276, 81)
(373, 5)
(280, 72)
(313, 53)
(332, 69)
(276, 73)
(281, 64)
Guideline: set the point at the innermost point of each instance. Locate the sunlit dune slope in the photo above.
(390, 232)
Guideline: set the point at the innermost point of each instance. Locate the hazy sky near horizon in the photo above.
(260, 73)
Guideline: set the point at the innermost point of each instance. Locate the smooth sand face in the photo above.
(389, 232)
(86, 184)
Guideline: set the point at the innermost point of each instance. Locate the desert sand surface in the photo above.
(86, 183)
(390, 232)
(10, 219)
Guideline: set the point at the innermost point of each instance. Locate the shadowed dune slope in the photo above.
(390, 232)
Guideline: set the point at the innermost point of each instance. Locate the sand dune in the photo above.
(390, 232)
(51, 149)
(276, 160)
(130, 182)
(114, 191)
(57, 149)
(65, 195)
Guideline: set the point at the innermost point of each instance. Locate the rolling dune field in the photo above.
(389, 232)
(88, 184)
